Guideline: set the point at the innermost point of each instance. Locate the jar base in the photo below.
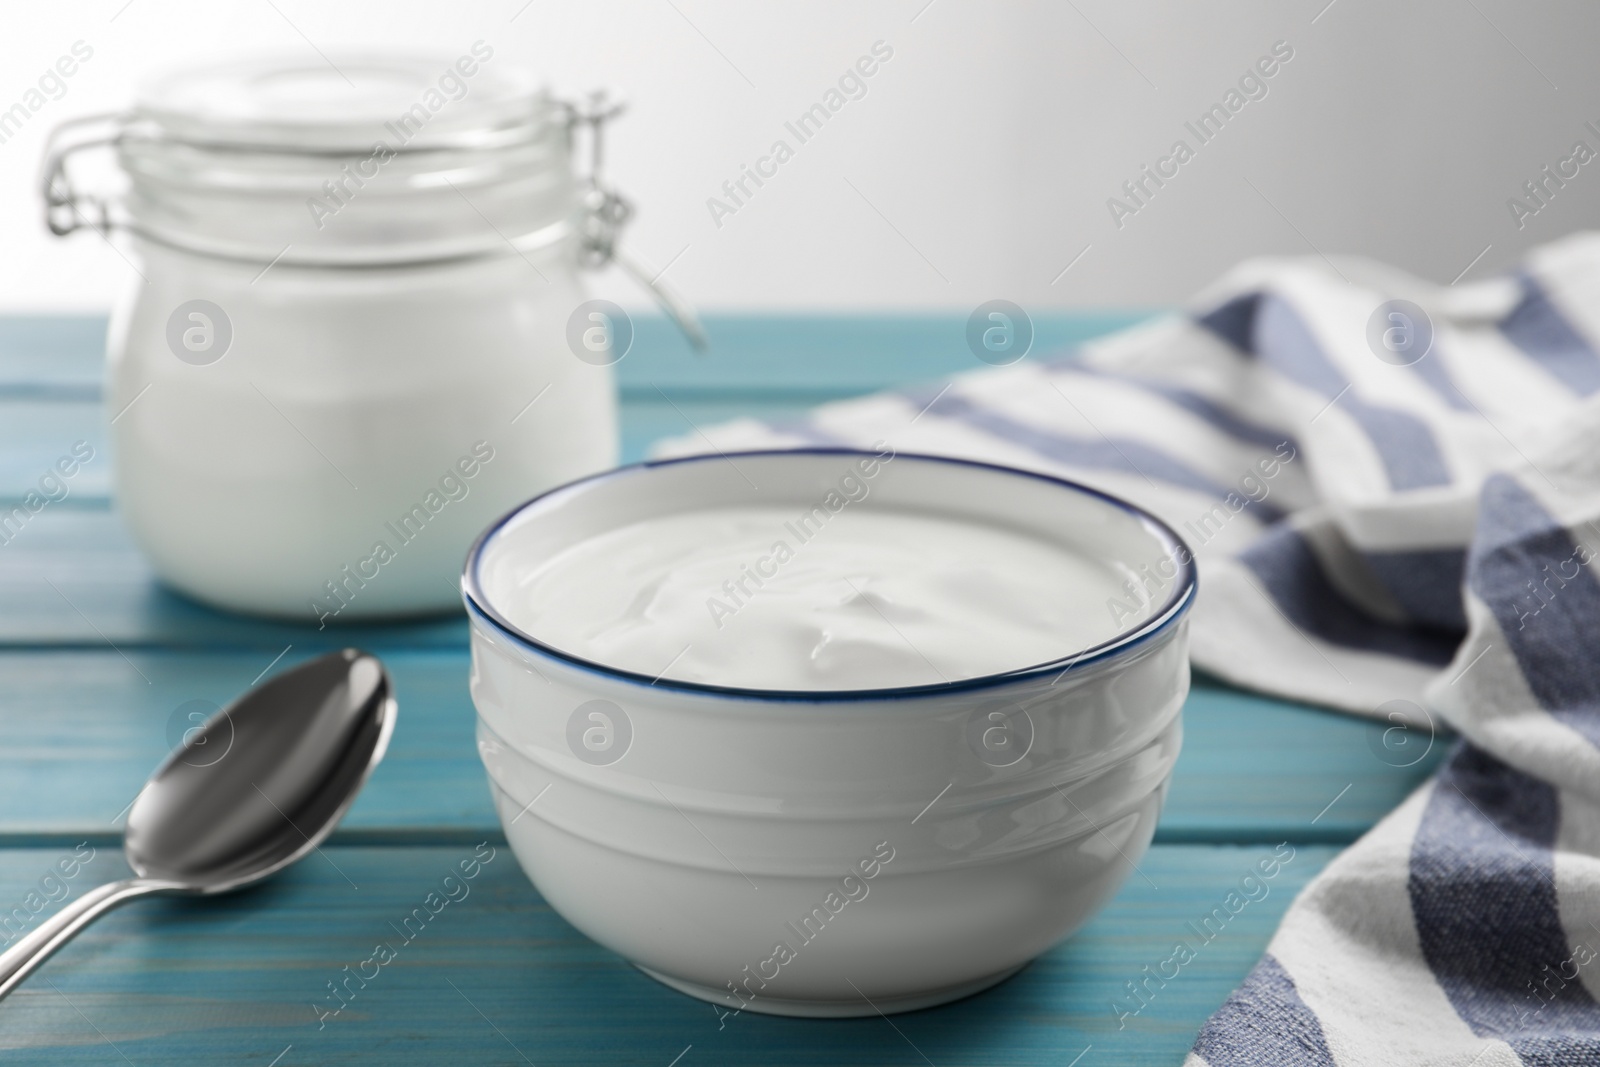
(837, 1009)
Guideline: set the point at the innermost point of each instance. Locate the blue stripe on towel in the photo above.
(1405, 444)
(1483, 896)
(1549, 624)
(1234, 321)
(1295, 581)
(1197, 404)
(1425, 582)
(1273, 331)
(1264, 1023)
(1544, 334)
(1128, 455)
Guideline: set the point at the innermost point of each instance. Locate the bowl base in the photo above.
(837, 1009)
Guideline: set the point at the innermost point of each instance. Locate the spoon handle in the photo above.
(19, 961)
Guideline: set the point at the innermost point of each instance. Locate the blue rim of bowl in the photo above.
(1185, 583)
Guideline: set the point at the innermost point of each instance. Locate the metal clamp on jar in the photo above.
(358, 330)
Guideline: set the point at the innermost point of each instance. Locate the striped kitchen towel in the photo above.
(1393, 492)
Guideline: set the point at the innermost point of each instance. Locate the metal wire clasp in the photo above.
(606, 212)
(65, 208)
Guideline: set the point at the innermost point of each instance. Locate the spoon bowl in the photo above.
(295, 752)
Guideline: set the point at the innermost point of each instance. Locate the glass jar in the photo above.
(358, 331)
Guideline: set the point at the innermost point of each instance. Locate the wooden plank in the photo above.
(1252, 768)
(58, 354)
(1255, 768)
(766, 367)
(846, 354)
(500, 978)
(103, 722)
(72, 576)
(36, 433)
(751, 354)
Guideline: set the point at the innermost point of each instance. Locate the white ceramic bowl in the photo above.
(840, 852)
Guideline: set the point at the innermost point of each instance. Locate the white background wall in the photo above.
(979, 163)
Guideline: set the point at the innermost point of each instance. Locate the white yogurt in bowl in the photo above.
(725, 702)
(755, 597)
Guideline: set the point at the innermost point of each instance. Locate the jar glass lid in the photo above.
(419, 160)
(346, 102)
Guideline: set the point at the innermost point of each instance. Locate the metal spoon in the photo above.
(258, 786)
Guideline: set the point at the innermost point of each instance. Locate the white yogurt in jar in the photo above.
(744, 597)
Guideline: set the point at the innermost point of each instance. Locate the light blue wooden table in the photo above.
(96, 660)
